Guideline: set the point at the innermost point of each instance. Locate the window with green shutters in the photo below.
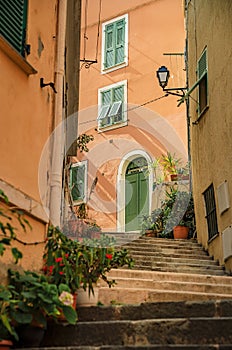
(202, 76)
(115, 43)
(13, 20)
(112, 101)
(78, 181)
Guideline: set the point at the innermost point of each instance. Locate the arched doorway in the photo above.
(136, 193)
(121, 185)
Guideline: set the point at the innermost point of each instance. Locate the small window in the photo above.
(112, 102)
(13, 19)
(115, 43)
(211, 214)
(78, 182)
(202, 75)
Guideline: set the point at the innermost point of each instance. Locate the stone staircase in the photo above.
(175, 297)
(167, 270)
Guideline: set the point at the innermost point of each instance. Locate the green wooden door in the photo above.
(136, 197)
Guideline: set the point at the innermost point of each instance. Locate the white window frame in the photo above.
(76, 165)
(124, 121)
(123, 64)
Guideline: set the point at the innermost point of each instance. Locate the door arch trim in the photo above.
(121, 185)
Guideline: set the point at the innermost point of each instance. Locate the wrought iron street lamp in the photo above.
(163, 75)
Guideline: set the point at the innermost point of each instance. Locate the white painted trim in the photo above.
(123, 64)
(25, 202)
(121, 185)
(77, 164)
(109, 87)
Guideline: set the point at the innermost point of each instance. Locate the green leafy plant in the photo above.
(38, 299)
(81, 264)
(7, 230)
(7, 306)
(176, 209)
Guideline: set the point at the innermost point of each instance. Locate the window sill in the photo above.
(201, 114)
(16, 57)
(213, 238)
(112, 126)
(111, 69)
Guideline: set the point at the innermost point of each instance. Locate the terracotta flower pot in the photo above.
(180, 232)
(84, 299)
(5, 344)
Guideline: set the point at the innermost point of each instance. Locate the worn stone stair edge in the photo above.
(114, 273)
(143, 332)
(123, 280)
(209, 308)
(146, 347)
(156, 292)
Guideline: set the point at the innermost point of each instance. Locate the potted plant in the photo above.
(170, 164)
(7, 330)
(177, 210)
(37, 302)
(181, 216)
(81, 264)
(152, 225)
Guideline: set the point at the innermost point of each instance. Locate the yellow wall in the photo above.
(211, 136)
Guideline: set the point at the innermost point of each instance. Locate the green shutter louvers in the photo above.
(114, 43)
(13, 19)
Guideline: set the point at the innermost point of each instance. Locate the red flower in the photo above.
(62, 265)
(51, 269)
(66, 255)
(109, 256)
(45, 268)
(61, 272)
(58, 259)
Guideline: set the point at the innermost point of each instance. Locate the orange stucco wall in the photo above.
(26, 109)
(26, 121)
(155, 28)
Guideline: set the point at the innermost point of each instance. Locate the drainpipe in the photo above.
(58, 136)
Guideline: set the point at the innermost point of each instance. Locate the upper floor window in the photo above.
(211, 213)
(112, 102)
(13, 20)
(202, 76)
(115, 43)
(78, 182)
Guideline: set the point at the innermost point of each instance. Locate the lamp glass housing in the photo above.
(163, 76)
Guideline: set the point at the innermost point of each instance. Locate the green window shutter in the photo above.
(77, 182)
(114, 43)
(202, 65)
(118, 93)
(13, 19)
(203, 83)
(109, 46)
(120, 42)
(106, 97)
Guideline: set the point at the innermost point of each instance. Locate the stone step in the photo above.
(118, 295)
(186, 269)
(173, 285)
(198, 330)
(172, 260)
(145, 347)
(172, 276)
(164, 245)
(170, 251)
(180, 309)
(162, 242)
(192, 254)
